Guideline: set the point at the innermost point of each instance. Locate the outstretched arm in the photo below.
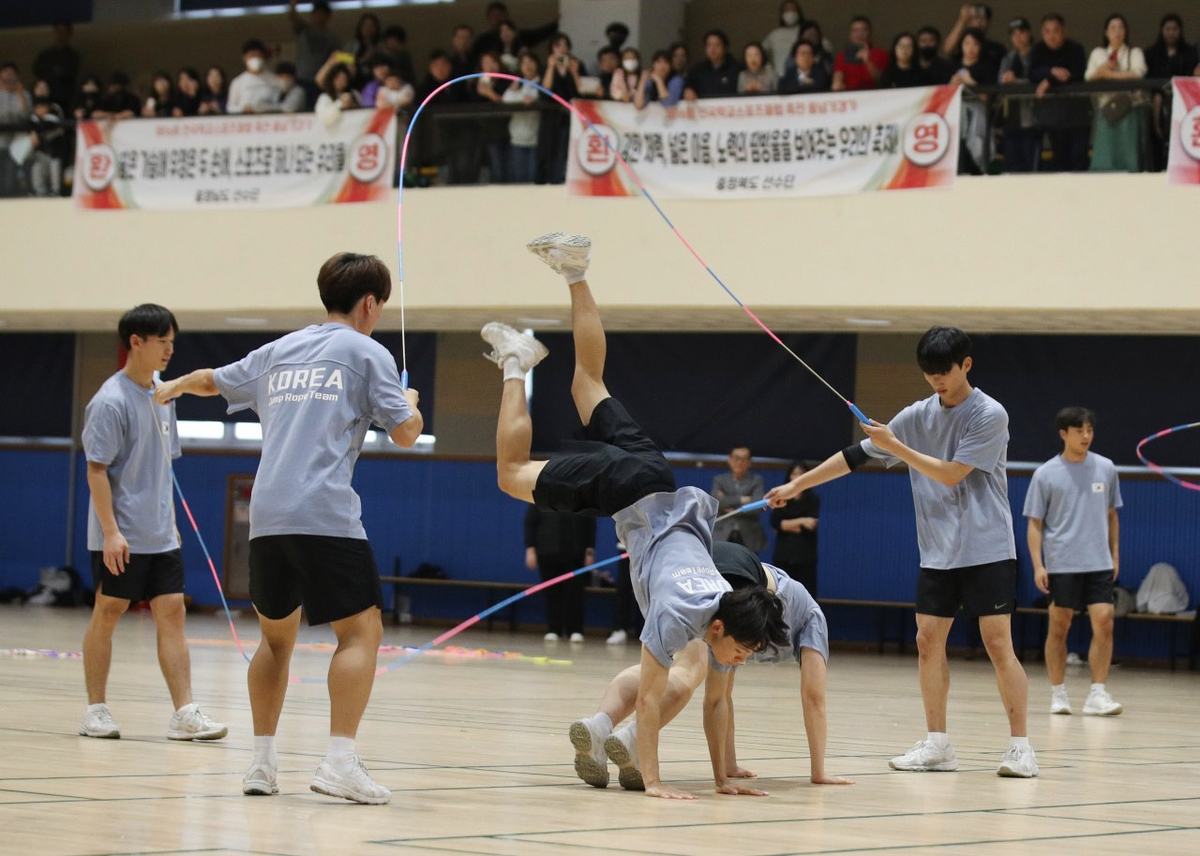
(812, 697)
(199, 382)
(718, 729)
(651, 684)
(833, 467)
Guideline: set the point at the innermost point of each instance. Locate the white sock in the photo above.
(1058, 688)
(1018, 743)
(264, 750)
(187, 708)
(340, 752)
(940, 739)
(1097, 688)
(93, 708)
(604, 721)
(574, 276)
(512, 369)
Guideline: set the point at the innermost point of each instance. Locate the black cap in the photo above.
(1019, 24)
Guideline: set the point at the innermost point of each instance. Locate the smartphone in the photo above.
(850, 52)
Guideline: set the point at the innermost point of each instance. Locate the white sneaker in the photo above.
(565, 254)
(260, 781)
(589, 742)
(355, 784)
(1019, 763)
(621, 748)
(576, 637)
(1059, 703)
(507, 342)
(550, 637)
(191, 723)
(926, 757)
(1100, 703)
(98, 723)
(618, 637)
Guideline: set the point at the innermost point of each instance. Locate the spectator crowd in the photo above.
(1034, 127)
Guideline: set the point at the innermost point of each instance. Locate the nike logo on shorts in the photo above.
(1000, 605)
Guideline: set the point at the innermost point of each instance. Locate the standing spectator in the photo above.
(129, 441)
(777, 44)
(955, 443)
(461, 58)
(804, 73)
(562, 78)
(1074, 541)
(254, 90)
(308, 547)
(366, 46)
(491, 39)
(616, 33)
(902, 70)
(510, 48)
(715, 76)
(1121, 130)
(380, 69)
(455, 154)
(493, 129)
(292, 96)
(159, 102)
(975, 154)
(88, 97)
(187, 93)
(795, 526)
(49, 149)
(557, 543)
(680, 59)
(58, 65)
(973, 16)
(934, 70)
(117, 102)
(608, 61)
(732, 490)
(215, 92)
(15, 106)
(1169, 56)
(395, 92)
(627, 618)
(810, 31)
(626, 78)
(314, 44)
(659, 83)
(1056, 60)
(1019, 142)
(757, 76)
(395, 46)
(523, 125)
(337, 91)
(860, 64)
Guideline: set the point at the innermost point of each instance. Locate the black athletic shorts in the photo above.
(333, 578)
(989, 589)
(146, 576)
(613, 467)
(1079, 591)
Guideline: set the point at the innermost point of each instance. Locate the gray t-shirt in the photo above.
(127, 432)
(970, 523)
(806, 627)
(1073, 502)
(316, 392)
(669, 540)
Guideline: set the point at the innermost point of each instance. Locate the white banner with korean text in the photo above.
(259, 161)
(1183, 157)
(770, 146)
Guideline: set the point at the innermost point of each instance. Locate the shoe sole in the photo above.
(260, 790)
(628, 775)
(948, 767)
(1064, 711)
(540, 351)
(586, 767)
(202, 735)
(114, 735)
(1009, 773)
(1116, 712)
(329, 789)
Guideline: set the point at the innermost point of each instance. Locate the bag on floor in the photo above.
(1162, 591)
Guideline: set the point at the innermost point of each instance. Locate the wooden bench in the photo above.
(1174, 623)
(883, 608)
(496, 591)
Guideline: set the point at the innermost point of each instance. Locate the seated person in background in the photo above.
(807, 642)
(117, 102)
(214, 92)
(860, 64)
(659, 83)
(380, 66)
(935, 71)
(625, 79)
(715, 76)
(804, 73)
(293, 97)
(734, 489)
(162, 95)
(608, 60)
(757, 77)
(795, 526)
(903, 70)
(336, 92)
(186, 101)
(87, 100)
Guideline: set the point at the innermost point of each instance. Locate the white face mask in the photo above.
(630, 65)
(254, 64)
(391, 97)
(790, 18)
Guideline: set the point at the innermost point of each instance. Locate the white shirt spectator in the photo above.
(253, 93)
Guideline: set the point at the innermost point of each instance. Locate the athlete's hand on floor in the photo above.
(668, 792)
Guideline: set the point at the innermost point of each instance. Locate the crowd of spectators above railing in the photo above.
(1016, 118)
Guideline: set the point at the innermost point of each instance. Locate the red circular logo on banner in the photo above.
(926, 139)
(99, 167)
(368, 157)
(1189, 133)
(594, 156)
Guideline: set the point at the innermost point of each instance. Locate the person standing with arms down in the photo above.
(129, 442)
(732, 490)
(316, 392)
(956, 446)
(1074, 540)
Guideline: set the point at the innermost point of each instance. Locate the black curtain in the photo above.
(37, 372)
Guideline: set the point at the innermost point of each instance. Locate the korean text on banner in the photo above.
(261, 161)
(1183, 159)
(743, 148)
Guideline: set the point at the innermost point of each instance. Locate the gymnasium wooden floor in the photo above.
(475, 752)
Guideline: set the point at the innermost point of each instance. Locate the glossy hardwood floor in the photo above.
(475, 751)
